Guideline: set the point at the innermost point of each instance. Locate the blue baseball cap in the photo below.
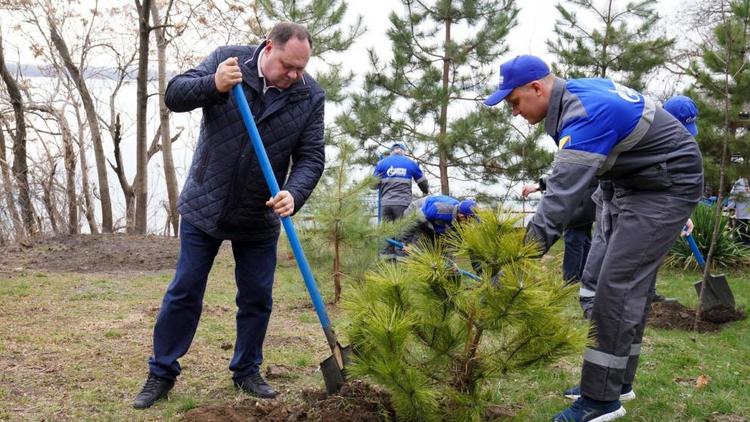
(685, 110)
(398, 145)
(517, 72)
(466, 207)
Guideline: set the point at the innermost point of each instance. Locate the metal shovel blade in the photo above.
(716, 293)
(334, 368)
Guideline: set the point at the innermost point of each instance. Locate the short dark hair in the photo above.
(283, 31)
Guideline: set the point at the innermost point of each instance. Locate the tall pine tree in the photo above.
(425, 94)
(614, 40)
(722, 91)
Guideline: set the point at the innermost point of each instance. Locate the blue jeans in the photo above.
(255, 263)
(577, 245)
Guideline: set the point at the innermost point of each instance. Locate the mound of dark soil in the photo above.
(674, 315)
(93, 253)
(357, 402)
(721, 314)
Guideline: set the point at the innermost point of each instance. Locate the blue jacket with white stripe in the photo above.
(396, 173)
(607, 131)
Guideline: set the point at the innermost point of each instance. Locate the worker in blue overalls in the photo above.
(653, 169)
(395, 173)
(435, 215)
(684, 110)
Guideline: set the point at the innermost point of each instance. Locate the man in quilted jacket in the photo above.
(225, 196)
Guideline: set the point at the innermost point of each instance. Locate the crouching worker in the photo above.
(654, 168)
(435, 215)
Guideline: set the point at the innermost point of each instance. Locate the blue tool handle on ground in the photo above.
(472, 276)
(299, 255)
(395, 243)
(696, 252)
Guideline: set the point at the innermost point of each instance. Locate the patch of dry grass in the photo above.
(75, 346)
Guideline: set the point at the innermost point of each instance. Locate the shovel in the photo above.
(332, 367)
(717, 292)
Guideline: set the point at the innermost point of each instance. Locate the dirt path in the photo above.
(106, 253)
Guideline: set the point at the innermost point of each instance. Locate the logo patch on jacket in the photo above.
(628, 94)
(396, 171)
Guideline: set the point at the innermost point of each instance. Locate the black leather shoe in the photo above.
(256, 386)
(154, 389)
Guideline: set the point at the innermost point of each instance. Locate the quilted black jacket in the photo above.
(225, 193)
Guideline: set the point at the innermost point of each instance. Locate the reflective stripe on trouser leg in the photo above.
(645, 229)
(586, 293)
(632, 366)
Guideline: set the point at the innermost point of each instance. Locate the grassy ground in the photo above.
(74, 347)
(671, 362)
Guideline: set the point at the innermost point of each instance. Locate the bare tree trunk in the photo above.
(336, 271)
(48, 198)
(167, 223)
(141, 178)
(20, 166)
(93, 121)
(88, 201)
(70, 179)
(8, 194)
(127, 189)
(603, 62)
(42, 174)
(442, 139)
(69, 161)
(166, 142)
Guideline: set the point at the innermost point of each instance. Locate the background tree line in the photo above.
(64, 137)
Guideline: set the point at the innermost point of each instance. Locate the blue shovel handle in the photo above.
(696, 251)
(472, 276)
(395, 243)
(299, 255)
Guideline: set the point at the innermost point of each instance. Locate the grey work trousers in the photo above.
(393, 212)
(606, 217)
(635, 231)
